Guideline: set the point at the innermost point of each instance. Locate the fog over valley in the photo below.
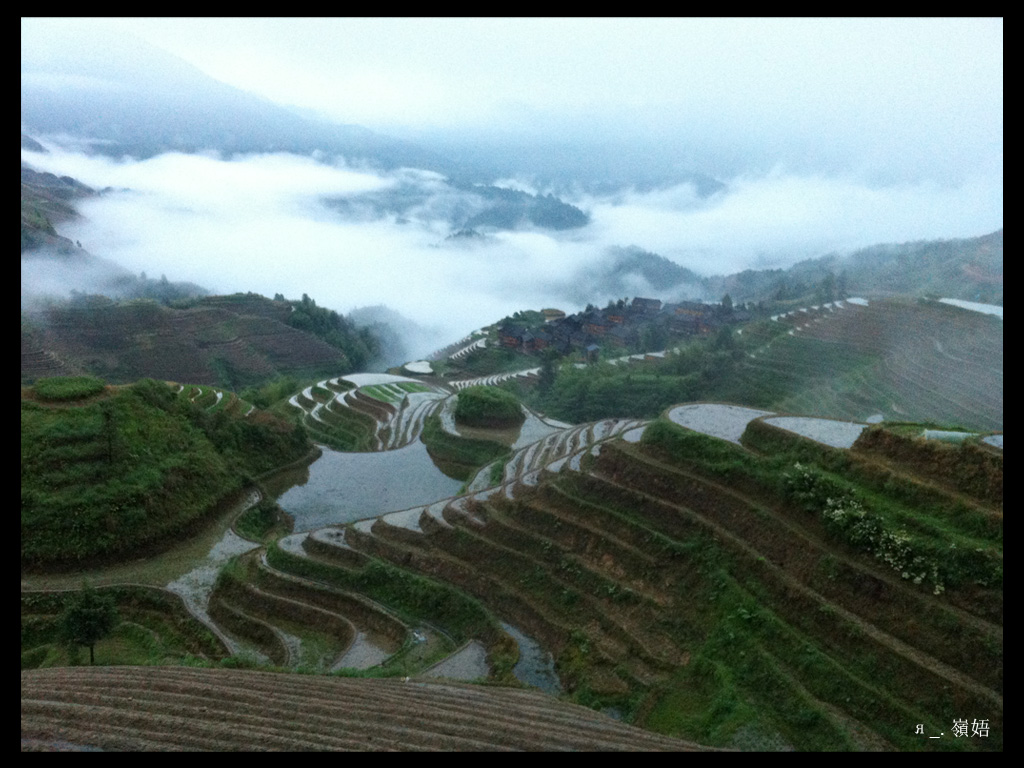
(744, 154)
(631, 383)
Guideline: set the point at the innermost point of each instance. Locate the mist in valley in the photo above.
(719, 145)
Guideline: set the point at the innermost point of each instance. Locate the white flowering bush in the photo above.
(846, 518)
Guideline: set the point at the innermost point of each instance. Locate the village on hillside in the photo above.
(642, 324)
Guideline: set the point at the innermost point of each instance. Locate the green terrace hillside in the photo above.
(900, 358)
(107, 472)
(229, 341)
(778, 594)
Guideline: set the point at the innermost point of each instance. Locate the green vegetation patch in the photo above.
(967, 468)
(102, 480)
(458, 457)
(488, 407)
(929, 538)
(153, 627)
(64, 388)
(259, 520)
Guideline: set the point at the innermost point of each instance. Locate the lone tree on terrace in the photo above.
(88, 616)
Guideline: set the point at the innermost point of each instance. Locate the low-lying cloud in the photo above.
(260, 223)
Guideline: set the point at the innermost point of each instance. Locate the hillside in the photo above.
(970, 269)
(108, 473)
(164, 104)
(770, 594)
(730, 583)
(47, 199)
(229, 341)
(896, 358)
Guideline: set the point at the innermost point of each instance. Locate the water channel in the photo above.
(536, 666)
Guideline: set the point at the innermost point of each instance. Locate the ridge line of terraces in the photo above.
(364, 614)
(454, 347)
(523, 469)
(496, 378)
(394, 426)
(926, 662)
(498, 567)
(568, 447)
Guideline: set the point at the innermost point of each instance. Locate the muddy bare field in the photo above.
(168, 708)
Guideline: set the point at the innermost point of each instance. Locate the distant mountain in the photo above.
(970, 269)
(127, 97)
(164, 104)
(47, 199)
(54, 267)
(633, 271)
(510, 208)
(464, 204)
(571, 167)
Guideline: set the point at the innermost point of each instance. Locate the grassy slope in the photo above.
(127, 468)
(910, 360)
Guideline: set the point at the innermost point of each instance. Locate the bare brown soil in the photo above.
(173, 708)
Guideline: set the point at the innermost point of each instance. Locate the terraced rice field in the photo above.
(367, 412)
(154, 708)
(602, 551)
(682, 592)
(838, 434)
(727, 422)
(908, 360)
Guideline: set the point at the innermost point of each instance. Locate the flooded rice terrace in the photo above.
(344, 487)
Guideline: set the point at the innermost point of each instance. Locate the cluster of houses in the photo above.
(620, 326)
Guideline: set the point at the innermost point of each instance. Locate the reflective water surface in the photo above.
(342, 487)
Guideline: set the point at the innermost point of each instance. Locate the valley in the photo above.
(516, 384)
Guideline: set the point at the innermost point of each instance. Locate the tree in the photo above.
(88, 616)
(547, 375)
(109, 430)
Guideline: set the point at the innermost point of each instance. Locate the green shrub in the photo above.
(258, 520)
(488, 407)
(458, 457)
(68, 388)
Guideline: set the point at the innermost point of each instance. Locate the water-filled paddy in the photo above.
(727, 422)
(343, 487)
(838, 434)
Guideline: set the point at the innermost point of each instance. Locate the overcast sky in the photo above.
(830, 134)
(926, 93)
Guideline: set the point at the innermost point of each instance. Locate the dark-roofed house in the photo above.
(692, 308)
(542, 339)
(596, 324)
(646, 306)
(510, 336)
